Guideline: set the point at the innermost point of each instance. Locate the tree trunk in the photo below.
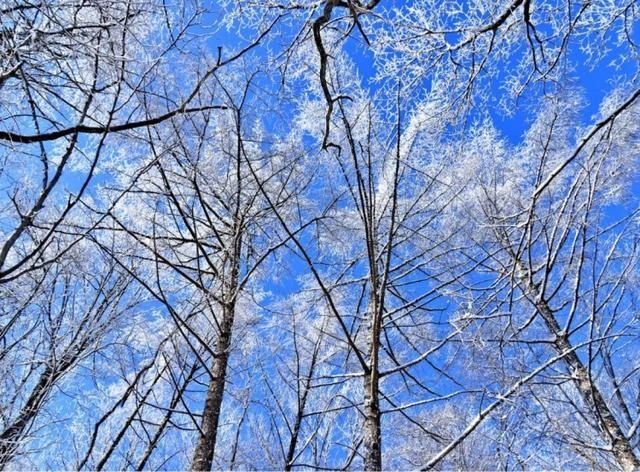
(293, 442)
(203, 454)
(177, 397)
(11, 437)
(372, 437)
(620, 445)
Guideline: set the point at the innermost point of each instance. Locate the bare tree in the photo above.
(68, 317)
(323, 234)
(562, 272)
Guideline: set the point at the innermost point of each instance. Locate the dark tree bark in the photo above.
(372, 438)
(203, 455)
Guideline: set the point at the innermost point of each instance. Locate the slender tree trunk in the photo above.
(293, 442)
(203, 455)
(11, 437)
(372, 439)
(167, 418)
(205, 449)
(620, 444)
(302, 404)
